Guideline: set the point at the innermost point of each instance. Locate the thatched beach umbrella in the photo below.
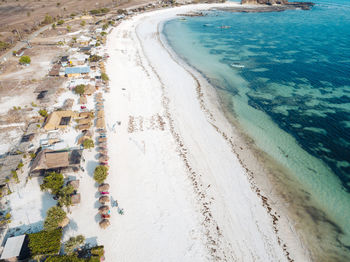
(104, 223)
(102, 139)
(100, 113)
(64, 222)
(103, 158)
(103, 209)
(103, 187)
(102, 150)
(103, 199)
(102, 144)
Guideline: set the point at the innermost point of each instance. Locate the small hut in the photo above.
(103, 209)
(104, 223)
(103, 199)
(103, 187)
(75, 199)
(74, 184)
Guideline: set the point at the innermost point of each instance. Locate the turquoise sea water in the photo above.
(287, 76)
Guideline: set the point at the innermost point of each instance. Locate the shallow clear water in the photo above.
(288, 77)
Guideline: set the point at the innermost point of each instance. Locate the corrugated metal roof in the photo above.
(77, 70)
(13, 247)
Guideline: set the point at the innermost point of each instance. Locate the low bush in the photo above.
(54, 217)
(25, 60)
(100, 174)
(42, 112)
(45, 242)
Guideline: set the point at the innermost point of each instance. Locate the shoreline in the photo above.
(204, 97)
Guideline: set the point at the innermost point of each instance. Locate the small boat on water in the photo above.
(207, 25)
(225, 26)
(182, 19)
(237, 65)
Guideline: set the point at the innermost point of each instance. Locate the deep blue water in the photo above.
(288, 75)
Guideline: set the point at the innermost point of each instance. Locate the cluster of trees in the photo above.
(99, 11)
(45, 242)
(100, 174)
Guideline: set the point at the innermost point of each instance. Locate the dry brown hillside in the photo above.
(26, 15)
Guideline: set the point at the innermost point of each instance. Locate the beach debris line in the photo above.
(140, 123)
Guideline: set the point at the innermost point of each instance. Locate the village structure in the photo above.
(61, 133)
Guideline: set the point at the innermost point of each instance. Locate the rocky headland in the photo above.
(269, 6)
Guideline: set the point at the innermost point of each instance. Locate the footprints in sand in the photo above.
(140, 123)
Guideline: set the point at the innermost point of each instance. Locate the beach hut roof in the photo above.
(103, 199)
(104, 223)
(59, 119)
(86, 114)
(77, 70)
(103, 187)
(84, 126)
(75, 199)
(49, 159)
(84, 121)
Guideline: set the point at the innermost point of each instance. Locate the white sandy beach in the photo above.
(185, 195)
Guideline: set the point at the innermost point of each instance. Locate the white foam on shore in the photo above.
(185, 195)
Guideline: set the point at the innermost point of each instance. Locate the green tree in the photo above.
(88, 143)
(95, 58)
(60, 22)
(69, 28)
(100, 174)
(42, 112)
(48, 19)
(73, 243)
(25, 60)
(83, 23)
(104, 77)
(79, 89)
(65, 198)
(105, 26)
(53, 26)
(53, 182)
(54, 217)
